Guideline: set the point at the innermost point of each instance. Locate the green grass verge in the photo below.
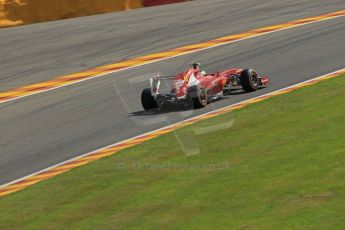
(282, 167)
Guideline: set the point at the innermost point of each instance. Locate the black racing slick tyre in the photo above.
(198, 96)
(147, 101)
(249, 80)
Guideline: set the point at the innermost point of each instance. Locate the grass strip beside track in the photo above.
(280, 166)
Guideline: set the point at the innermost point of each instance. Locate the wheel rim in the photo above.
(254, 80)
(203, 96)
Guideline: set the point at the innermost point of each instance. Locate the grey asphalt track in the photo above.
(44, 129)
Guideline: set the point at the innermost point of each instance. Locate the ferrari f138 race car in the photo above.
(197, 88)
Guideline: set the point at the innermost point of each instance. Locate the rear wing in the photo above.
(155, 83)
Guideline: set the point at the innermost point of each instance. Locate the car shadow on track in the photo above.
(178, 107)
(164, 110)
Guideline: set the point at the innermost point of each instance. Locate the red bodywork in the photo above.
(214, 83)
(196, 85)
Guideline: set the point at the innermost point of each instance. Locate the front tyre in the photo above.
(249, 80)
(147, 100)
(198, 95)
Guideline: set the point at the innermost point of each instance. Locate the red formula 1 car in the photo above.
(195, 87)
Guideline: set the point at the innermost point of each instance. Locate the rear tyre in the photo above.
(147, 101)
(249, 80)
(198, 96)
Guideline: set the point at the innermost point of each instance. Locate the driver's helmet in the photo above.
(197, 66)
